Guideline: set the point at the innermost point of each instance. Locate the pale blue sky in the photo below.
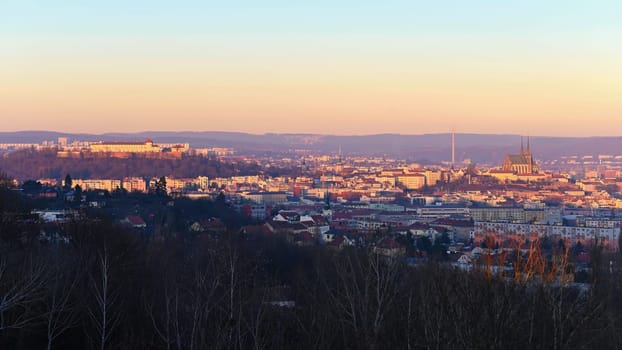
(141, 17)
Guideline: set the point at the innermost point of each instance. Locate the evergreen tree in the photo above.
(160, 187)
(68, 183)
(31, 187)
(77, 194)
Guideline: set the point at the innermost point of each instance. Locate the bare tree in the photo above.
(181, 304)
(364, 294)
(19, 292)
(60, 300)
(315, 316)
(162, 320)
(103, 314)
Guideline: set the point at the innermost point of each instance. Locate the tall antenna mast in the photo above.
(340, 156)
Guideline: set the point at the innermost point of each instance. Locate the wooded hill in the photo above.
(32, 165)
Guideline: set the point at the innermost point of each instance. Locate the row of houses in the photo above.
(135, 184)
(501, 231)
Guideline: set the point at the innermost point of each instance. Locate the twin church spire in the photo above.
(524, 152)
(522, 163)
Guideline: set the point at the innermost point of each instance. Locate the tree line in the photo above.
(107, 288)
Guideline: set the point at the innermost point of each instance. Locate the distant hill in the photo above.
(26, 164)
(433, 147)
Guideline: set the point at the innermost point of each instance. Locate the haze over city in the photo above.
(347, 67)
(397, 174)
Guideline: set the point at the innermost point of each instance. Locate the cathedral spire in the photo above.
(528, 146)
(522, 149)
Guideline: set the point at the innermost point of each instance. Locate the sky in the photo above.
(333, 67)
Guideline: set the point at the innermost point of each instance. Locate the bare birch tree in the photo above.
(61, 303)
(103, 311)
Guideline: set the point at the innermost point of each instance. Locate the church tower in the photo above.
(522, 149)
(523, 162)
(532, 168)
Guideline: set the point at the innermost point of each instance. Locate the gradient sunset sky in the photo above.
(336, 67)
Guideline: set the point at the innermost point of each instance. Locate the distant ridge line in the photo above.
(432, 146)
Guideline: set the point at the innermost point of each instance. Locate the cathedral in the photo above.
(522, 163)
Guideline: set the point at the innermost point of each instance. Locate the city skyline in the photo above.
(343, 69)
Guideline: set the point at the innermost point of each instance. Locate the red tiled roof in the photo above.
(135, 220)
(121, 143)
(412, 175)
(288, 213)
(419, 226)
(340, 215)
(337, 241)
(319, 220)
(305, 236)
(389, 243)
